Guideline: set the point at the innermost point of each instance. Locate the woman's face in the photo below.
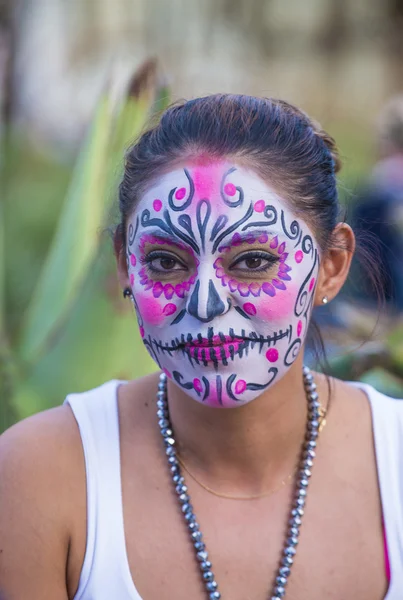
(223, 277)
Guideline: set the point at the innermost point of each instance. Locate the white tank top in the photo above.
(106, 574)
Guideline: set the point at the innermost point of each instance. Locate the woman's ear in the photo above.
(120, 255)
(335, 264)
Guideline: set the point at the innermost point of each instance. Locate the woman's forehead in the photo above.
(208, 202)
(212, 179)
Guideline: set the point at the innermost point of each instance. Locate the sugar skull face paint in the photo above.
(223, 277)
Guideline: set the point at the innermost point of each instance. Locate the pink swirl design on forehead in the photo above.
(255, 288)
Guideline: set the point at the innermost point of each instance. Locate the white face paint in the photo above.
(223, 277)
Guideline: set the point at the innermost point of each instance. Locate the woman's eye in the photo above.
(164, 263)
(255, 262)
(167, 263)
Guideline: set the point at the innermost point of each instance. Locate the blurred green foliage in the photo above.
(64, 325)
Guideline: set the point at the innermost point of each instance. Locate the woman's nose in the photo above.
(205, 303)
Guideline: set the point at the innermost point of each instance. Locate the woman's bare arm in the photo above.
(35, 507)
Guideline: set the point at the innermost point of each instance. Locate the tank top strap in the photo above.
(105, 571)
(387, 418)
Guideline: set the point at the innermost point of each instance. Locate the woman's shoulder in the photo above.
(381, 417)
(113, 388)
(382, 406)
(34, 436)
(54, 432)
(40, 451)
(357, 394)
(39, 459)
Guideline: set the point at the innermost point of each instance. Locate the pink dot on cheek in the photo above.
(131, 279)
(133, 260)
(259, 206)
(167, 373)
(142, 332)
(312, 283)
(169, 309)
(249, 308)
(157, 205)
(299, 256)
(180, 194)
(299, 328)
(240, 386)
(230, 189)
(272, 355)
(197, 385)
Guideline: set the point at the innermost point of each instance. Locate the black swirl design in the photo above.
(270, 212)
(133, 232)
(241, 312)
(297, 243)
(148, 343)
(233, 227)
(168, 227)
(189, 385)
(259, 386)
(226, 199)
(148, 221)
(218, 225)
(179, 317)
(202, 221)
(189, 199)
(307, 245)
(186, 385)
(186, 223)
(250, 386)
(206, 388)
(138, 314)
(228, 386)
(295, 228)
(292, 352)
(303, 294)
(185, 238)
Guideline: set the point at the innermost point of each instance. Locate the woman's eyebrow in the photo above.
(167, 238)
(249, 237)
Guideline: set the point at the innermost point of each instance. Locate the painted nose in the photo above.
(206, 305)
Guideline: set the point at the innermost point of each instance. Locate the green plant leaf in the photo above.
(73, 310)
(101, 342)
(2, 268)
(384, 382)
(76, 240)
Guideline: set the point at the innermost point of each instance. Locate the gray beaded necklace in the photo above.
(297, 512)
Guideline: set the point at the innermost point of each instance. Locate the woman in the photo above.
(234, 472)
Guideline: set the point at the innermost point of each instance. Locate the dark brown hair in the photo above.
(281, 143)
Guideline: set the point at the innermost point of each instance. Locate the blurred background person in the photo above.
(378, 208)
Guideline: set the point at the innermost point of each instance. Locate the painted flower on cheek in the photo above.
(224, 277)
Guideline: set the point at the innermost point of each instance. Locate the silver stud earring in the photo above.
(325, 300)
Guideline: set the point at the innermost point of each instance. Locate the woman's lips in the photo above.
(215, 340)
(214, 349)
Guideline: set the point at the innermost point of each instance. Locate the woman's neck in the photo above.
(247, 449)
